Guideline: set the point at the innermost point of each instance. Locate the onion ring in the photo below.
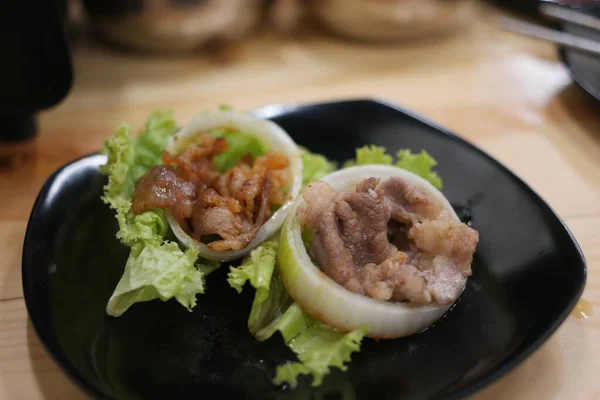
(324, 299)
(265, 130)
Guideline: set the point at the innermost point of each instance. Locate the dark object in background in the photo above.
(583, 67)
(528, 273)
(35, 72)
(531, 7)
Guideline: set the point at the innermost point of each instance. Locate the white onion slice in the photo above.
(270, 133)
(326, 300)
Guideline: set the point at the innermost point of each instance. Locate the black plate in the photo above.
(584, 68)
(528, 274)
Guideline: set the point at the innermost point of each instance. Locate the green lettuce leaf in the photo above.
(421, 164)
(271, 299)
(128, 159)
(317, 346)
(157, 272)
(238, 145)
(315, 166)
(257, 268)
(156, 268)
(370, 154)
(152, 142)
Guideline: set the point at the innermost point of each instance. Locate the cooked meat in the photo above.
(236, 243)
(412, 287)
(214, 214)
(245, 183)
(239, 229)
(349, 229)
(264, 209)
(367, 185)
(277, 174)
(363, 219)
(195, 161)
(445, 283)
(419, 259)
(351, 241)
(449, 238)
(394, 279)
(409, 203)
(328, 247)
(161, 187)
(205, 202)
(317, 196)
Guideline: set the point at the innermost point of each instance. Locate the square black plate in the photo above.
(528, 274)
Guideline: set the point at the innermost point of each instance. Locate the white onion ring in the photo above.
(326, 300)
(265, 130)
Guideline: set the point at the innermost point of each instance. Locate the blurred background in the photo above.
(102, 62)
(520, 83)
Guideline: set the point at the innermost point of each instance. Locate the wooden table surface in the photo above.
(508, 94)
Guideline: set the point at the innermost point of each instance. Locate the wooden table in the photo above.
(507, 94)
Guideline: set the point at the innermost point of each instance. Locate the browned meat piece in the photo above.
(214, 220)
(448, 238)
(396, 280)
(239, 216)
(233, 205)
(409, 203)
(214, 214)
(349, 230)
(317, 196)
(411, 286)
(328, 247)
(350, 241)
(445, 283)
(195, 161)
(272, 161)
(446, 249)
(416, 257)
(160, 187)
(230, 183)
(236, 243)
(251, 188)
(254, 185)
(245, 183)
(247, 229)
(363, 219)
(367, 184)
(264, 210)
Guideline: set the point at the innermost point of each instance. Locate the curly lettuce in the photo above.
(128, 159)
(370, 154)
(156, 268)
(421, 164)
(157, 272)
(315, 166)
(317, 346)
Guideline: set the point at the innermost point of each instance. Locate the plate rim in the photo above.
(271, 111)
